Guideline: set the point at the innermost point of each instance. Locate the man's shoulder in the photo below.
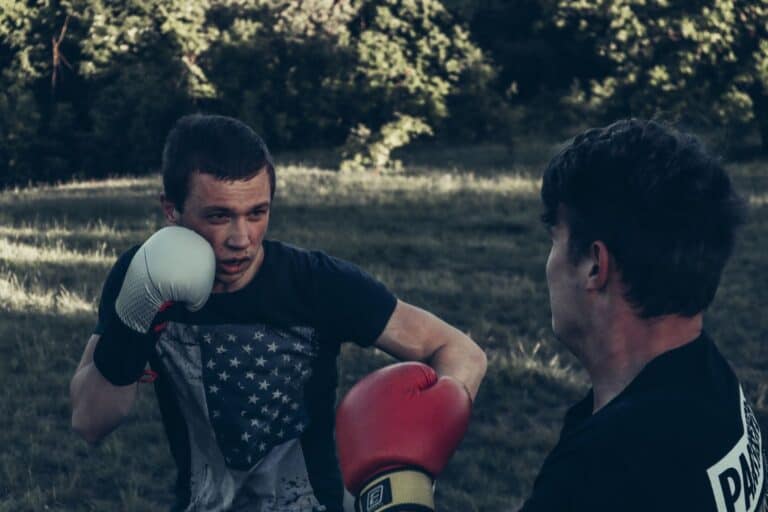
(125, 257)
(307, 263)
(286, 254)
(117, 273)
(691, 396)
(289, 249)
(679, 430)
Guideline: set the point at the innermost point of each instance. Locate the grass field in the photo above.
(458, 234)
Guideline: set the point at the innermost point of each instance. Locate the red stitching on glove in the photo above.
(148, 377)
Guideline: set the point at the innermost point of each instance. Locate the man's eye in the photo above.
(217, 217)
(256, 215)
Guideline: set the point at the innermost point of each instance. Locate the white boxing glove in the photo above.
(174, 265)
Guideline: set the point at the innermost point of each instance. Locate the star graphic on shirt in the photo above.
(235, 362)
(211, 364)
(213, 389)
(260, 361)
(287, 379)
(263, 384)
(248, 349)
(207, 338)
(298, 367)
(255, 423)
(276, 394)
(281, 433)
(298, 347)
(220, 349)
(286, 358)
(272, 347)
(286, 419)
(253, 399)
(266, 429)
(262, 447)
(275, 414)
(294, 406)
(231, 337)
(224, 376)
(258, 335)
(300, 427)
(265, 410)
(275, 372)
(216, 414)
(245, 437)
(250, 375)
(285, 399)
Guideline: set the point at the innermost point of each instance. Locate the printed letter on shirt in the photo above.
(737, 478)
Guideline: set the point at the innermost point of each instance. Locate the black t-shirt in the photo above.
(256, 368)
(680, 437)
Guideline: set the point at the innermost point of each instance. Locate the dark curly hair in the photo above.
(665, 209)
(218, 145)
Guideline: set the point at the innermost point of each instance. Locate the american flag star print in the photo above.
(254, 378)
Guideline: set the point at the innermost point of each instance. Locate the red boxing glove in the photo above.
(395, 431)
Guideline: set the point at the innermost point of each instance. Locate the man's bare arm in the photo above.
(98, 406)
(417, 335)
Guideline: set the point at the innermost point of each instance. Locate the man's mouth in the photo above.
(233, 265)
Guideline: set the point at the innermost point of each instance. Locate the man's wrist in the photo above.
(122, 353)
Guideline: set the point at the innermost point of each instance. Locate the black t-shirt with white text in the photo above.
(680, 437)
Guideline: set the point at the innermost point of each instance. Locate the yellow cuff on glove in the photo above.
(400, 490)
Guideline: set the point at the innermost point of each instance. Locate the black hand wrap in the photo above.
(122, 353)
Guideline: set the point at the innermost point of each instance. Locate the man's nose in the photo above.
(238, 238)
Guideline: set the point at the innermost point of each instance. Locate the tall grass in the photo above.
(456, 238)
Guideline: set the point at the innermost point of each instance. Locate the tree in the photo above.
(704, 61)
(91, 87)
(411, 56)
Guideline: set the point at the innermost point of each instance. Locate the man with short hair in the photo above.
(642, 221)
(242, 334)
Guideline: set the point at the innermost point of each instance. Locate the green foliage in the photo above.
(303, 74)
(698, 61)
(99, 97)
(412, 59)
(365, 150)
(284, 68)
(534, 64)
(412, 54)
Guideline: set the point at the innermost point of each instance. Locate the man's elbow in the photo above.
(86, 431)
(479, 360)
(92, 431)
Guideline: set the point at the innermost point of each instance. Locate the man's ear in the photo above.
(170, 212)
(600, 261)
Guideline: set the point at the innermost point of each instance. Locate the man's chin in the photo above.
(230, 281)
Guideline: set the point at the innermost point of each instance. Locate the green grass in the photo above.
(457, 233)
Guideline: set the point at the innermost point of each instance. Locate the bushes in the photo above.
(366, 76)
(303, 74)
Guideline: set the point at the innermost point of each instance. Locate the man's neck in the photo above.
(626, 346)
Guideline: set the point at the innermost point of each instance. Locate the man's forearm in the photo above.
(414, 334)
(463, 361)
(98, 407)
